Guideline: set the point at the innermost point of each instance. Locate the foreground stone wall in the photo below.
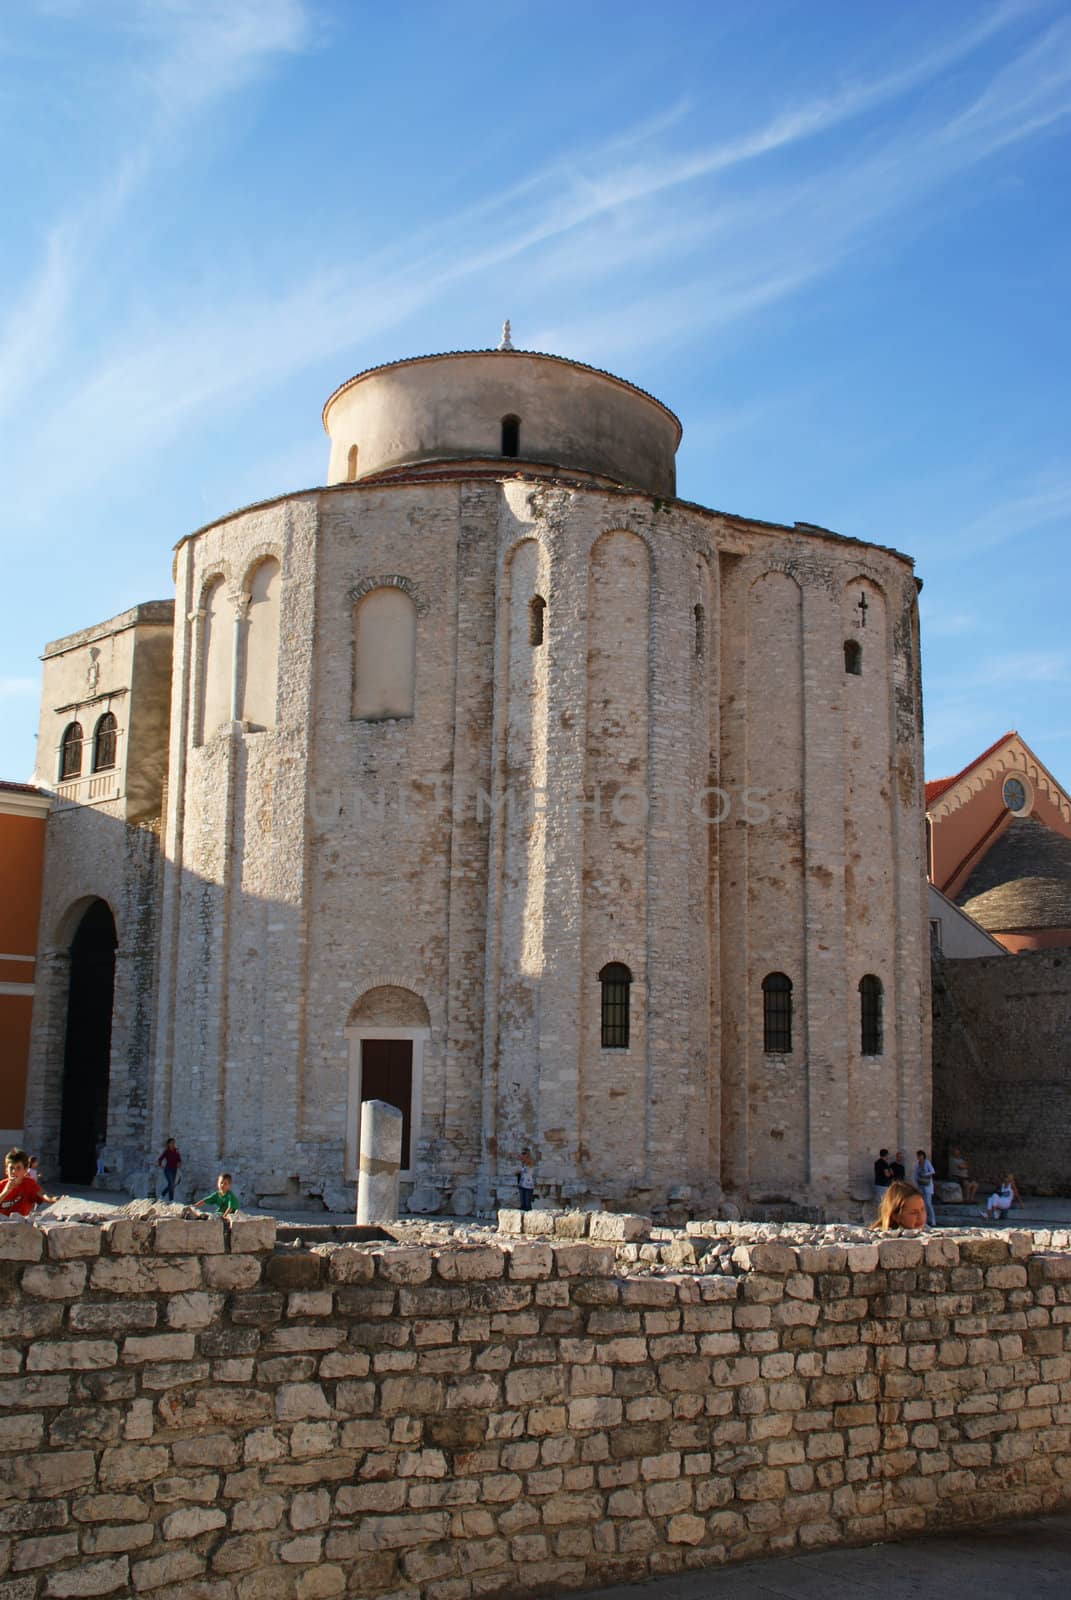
(1002, 1066)
(189, 1411)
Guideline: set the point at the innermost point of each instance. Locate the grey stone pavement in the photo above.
(1026, 1560)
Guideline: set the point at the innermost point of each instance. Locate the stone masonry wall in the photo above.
(1002, 1065)
(190, 1411)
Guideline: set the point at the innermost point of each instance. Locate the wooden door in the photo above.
(387, 1074)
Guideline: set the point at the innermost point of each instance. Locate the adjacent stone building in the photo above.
(505, 785)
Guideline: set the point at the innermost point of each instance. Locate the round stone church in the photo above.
(504, 785)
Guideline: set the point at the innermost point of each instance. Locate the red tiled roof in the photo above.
(20, 788)
(937, 786)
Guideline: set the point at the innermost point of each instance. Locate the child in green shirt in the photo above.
(222, 1200)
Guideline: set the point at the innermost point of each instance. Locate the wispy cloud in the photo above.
(602, 220)
(192, 54)
(1045, 504)
(19, 688)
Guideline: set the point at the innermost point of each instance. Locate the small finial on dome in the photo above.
(505, 343)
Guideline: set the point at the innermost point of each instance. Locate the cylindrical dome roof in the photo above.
(500, 405)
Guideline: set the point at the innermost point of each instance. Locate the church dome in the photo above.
(1024, 882)
(490, 406)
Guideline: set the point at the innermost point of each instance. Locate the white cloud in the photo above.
(14, 688)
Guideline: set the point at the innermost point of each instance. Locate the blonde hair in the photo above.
(892, 1203)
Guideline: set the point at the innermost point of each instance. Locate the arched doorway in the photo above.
(386, 1030)
(87, 1046)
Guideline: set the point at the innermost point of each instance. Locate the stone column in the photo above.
(379, 1162)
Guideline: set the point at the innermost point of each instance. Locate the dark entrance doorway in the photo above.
(387, 1074)
(87, 1048)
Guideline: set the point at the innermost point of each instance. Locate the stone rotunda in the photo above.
(505, 785)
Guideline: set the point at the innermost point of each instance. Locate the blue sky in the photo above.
(834, 237)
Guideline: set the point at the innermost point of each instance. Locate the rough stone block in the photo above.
(64, 1282)
(91, 1578)
(247, 1234)
(152, 1347)
(21, 1241)
(66, 1240)
(75, 1355)
(463, 1264)
(584, 1260)
(619, 1227)
(190, 1521)
(177, 1566)
(175, 1236)
(233, 1272)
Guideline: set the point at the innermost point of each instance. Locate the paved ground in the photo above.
(1028, 1560)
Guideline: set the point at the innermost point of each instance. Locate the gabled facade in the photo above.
(999, 845)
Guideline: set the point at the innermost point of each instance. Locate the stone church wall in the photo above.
(188, 1410)
(547, 810)
(1002, 1066)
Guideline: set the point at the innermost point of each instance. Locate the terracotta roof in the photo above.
(1024, 881)
(20, 788)
(937, 786)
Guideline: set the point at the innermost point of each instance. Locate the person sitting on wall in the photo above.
(883, 1174)
(958, 1173)
(222, 1200)
(21, 1191)
(902, 1206)
(1001, 1200)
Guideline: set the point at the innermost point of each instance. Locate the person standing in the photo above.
(925, 1173)
(171, 1161)
(883, 1175)
(526, 1179)
(899, 1168)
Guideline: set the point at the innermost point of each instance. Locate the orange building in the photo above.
(999, 845)
(23, 812)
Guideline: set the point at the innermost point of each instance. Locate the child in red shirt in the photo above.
(21, 1192)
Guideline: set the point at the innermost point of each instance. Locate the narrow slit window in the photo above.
(700, 632)
(616, 981)
(777, 1014)
(871, 995)
(104, 742)
(853, 657)
(351, 465)
(71, 751)
(537, 608)
(511, 436)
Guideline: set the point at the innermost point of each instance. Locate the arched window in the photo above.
(217, 659)
(616, 980)
(104, 739)
(511, 436)
(777, 1014)
(384, 655)
(537, 607)
(71, 751)
(853, 657)
(351, 465)
(700, 632)
(870, 1028)
(260, 666)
